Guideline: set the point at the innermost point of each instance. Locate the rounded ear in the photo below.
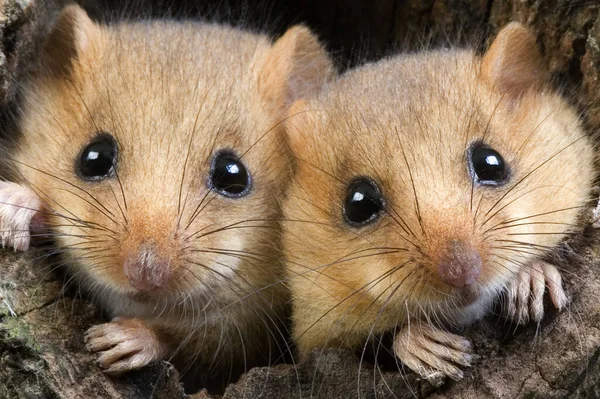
(71, 36)
(295, 67)
(513, 64)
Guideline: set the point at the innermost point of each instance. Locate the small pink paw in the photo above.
(432, 353)
(18, 208)
(525, 295)
(124, 345)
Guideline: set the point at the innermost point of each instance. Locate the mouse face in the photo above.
(424, 184)
(157, 150)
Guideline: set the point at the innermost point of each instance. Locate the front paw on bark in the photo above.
(19, 209)
(432, 353)
(525, 293)
(124, 345)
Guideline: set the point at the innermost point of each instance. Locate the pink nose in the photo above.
(462, 264)
(146, 271)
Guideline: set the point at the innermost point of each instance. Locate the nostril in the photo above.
(461, 264)
(146, 271)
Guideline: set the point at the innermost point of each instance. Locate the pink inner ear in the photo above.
(513, 64)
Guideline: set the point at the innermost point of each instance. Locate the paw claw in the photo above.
(468, 359)
(466, 345)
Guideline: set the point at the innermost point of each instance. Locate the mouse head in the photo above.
(157, 148)
(425, 182)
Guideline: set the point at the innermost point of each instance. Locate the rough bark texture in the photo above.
(41, 330)
(42, 352)
(22, 26)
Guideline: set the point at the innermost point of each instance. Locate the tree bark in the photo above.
(42, 353)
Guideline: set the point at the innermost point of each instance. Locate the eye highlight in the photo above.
(229, 176)
(486, 165)
(363, 203)
(98, 159)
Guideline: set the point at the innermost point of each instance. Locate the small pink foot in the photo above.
(124, 345)
(525, 295)
(432, 353)
(18, 208)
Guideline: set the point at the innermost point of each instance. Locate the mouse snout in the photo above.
(461, 265)
(146, 270)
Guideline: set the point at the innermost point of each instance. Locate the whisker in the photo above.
(412, 182)
(67, 183)
(527, 176)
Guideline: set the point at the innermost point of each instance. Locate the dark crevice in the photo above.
(580, 381)
(42, 306)
(519, 392)
(579, 50)
(551, 385)
(480, 46)
(9, 39)
(17, 314)
(575, 73)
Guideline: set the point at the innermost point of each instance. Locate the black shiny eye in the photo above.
(98, 159)
(487, 166)
(229, 176)
(363, 202)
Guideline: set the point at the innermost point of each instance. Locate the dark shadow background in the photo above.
(356, 31)
(353, 30)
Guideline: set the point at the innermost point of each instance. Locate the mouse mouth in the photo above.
(467, 295)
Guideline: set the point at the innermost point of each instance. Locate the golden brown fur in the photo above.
(171, 94)
(407, 123)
